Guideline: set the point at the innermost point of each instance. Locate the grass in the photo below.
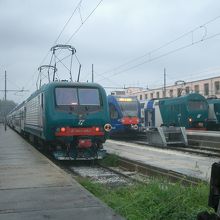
(157, 200)
(111, 160)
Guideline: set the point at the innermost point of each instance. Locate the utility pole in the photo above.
(5, 84)
(164, 89)
(5, 98)
(92, 73)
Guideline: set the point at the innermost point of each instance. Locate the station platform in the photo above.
(33, 188)
(188, 164)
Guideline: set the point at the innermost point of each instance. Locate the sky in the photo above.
(128, 42)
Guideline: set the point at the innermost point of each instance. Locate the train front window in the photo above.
(129, 107)
(195, 105)
(77, 100)
(89, 97)
(66, 96)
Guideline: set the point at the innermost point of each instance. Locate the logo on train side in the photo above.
(81, 122)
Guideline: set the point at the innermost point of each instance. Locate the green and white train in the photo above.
(189, 111)
(70, 119)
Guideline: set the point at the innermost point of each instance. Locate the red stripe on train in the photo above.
(79, 132)
(129, 120)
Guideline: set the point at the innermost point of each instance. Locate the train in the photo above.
(71, 120)
(213, 122)
(125, 114)
(189, 111)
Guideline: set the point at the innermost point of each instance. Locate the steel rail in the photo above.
(150, 170)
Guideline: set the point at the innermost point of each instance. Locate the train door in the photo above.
(158, 120)
(149, 117)
(142, 114)
(149, 114)
(179, 115)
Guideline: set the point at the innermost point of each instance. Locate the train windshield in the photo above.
(195, 105)
(77, 99)
(66, 96)
(89, 97)
(128, 106)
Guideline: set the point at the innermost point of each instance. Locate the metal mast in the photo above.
(62, 47)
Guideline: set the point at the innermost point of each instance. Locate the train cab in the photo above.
(125, 114)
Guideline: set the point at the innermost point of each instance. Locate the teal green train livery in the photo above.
(70, 119)
(189, 111)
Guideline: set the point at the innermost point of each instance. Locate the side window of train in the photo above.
(113, 112)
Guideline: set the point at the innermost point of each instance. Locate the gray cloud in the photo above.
(117, 32)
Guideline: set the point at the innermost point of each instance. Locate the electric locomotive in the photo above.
(71, 119)
(125, 114)
(189, 111)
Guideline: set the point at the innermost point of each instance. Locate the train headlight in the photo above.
(190, 119)
(135, 127)
(62, 129)
(108, 127)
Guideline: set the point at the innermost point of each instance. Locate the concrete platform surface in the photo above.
(185, 163)
(32, 187)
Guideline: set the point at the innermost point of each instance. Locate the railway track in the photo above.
(126, 173)
(197, 145)
(149, 170)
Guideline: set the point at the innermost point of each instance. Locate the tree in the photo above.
(5, 108)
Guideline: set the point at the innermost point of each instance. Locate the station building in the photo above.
(207, 87)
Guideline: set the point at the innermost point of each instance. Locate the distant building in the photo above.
(121, 92)
(206, 87)
(131, 90)
(127, 91)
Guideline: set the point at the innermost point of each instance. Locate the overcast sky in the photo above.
(118, 32)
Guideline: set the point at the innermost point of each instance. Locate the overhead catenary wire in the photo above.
(56, 40)
(165, 54)
(62, 30)
(104, 77)
(149, 54)
(83, 22)
(187, 77)
(76, 31)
